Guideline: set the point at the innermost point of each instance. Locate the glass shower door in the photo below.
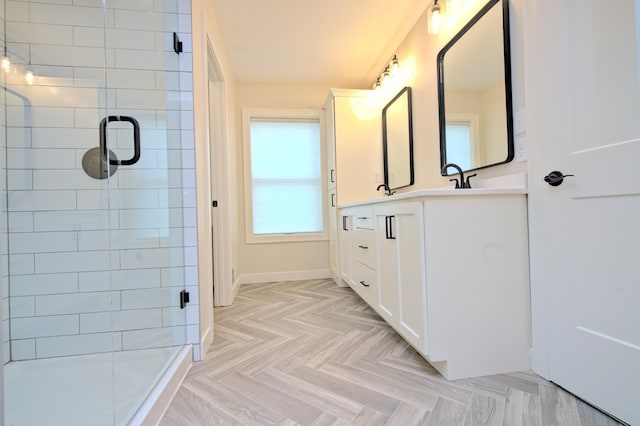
(154, 238)
(99, 239)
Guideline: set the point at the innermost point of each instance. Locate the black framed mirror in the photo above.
(397, 141)
(474, 92)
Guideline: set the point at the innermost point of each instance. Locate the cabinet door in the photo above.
(388, 283)
(333, 237)
(345, 220)
(401, 270)
(331, 144)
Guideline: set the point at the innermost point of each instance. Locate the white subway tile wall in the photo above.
(4, 226)
(97, 265)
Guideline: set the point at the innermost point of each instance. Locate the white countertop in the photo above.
(439, 192)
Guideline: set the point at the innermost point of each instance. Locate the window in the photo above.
(462, 140)
(283, 175)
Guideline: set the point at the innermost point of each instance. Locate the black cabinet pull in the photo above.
(333, 200)
(363, 218)
(364, 284)
(363, 247)
(388, 224)
(344, 223)
(332, 176)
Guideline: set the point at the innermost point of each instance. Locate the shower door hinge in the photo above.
(184, 298)
(177, 44)
(214, 203)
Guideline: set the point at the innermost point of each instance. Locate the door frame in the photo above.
(540, 291)
(219, 176)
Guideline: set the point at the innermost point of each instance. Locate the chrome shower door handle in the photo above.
(136, 140)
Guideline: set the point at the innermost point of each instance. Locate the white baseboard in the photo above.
(157, 402)
(269, 277)
(200, 352)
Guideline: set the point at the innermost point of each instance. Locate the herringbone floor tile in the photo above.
(312, 353)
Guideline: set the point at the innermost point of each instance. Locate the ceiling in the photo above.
(338, 43)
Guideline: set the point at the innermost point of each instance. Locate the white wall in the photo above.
(281, 261)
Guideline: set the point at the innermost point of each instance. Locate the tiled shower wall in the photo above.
(3, 211)
(98, 265)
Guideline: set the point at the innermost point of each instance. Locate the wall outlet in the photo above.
(520, 148)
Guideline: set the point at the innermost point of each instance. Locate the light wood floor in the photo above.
(311, 353)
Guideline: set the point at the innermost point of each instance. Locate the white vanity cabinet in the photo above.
(477, 274)
(402, 300)
(361, 249)
(451, 275)
(353, 127)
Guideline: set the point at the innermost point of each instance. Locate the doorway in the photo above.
(222, 273)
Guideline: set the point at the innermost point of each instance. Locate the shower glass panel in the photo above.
(98, 213)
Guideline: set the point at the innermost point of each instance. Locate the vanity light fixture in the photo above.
(389, 74)
(434, 19)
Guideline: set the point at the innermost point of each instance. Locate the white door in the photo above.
(583, 110)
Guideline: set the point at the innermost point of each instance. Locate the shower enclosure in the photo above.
(98, 205)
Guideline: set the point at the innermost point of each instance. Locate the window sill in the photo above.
(286, 238)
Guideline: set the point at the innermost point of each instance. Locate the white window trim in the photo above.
(273, 113)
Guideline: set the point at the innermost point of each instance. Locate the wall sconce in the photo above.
(434, 18)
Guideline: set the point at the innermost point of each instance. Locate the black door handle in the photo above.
(555, 178)
(136, 139)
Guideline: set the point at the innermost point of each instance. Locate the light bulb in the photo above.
(5, 64)
(435, 19)
(377, 86)
(395, 66)
(385, 77)
(29, 77)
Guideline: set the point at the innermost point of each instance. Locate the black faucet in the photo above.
(386, 188)
(462, 184)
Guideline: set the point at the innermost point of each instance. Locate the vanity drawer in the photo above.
(364, 282)
(363, 247)
(363, 218)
